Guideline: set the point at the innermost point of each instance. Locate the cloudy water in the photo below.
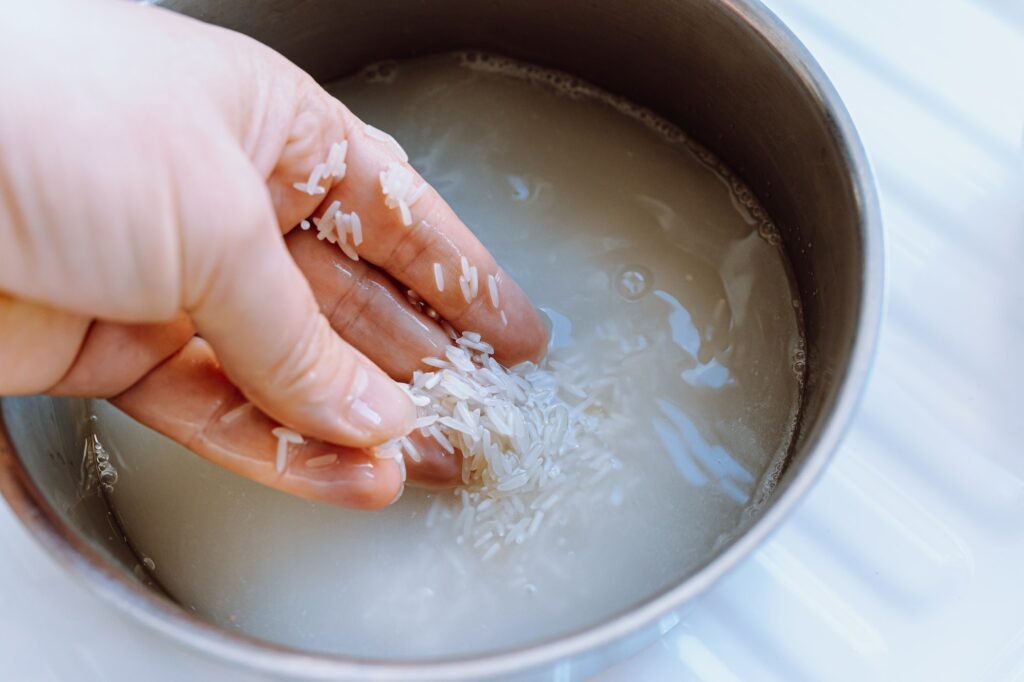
(657, 272)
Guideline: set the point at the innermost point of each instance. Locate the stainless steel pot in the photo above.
(729, 74)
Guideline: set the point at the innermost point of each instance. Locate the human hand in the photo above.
(147, 171)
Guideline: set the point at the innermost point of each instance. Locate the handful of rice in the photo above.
(529, 438)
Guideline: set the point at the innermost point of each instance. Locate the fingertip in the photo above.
(376, 409)
(437, 468)
(370, 485)
(518, 331)
(525, 337)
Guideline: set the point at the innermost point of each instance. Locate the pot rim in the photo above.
(83, 561)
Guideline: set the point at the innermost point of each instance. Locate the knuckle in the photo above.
(313, 370)
(351, 299)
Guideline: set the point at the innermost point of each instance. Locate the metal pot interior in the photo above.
(726, 73)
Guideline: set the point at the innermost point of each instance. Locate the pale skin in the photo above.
(149, 251)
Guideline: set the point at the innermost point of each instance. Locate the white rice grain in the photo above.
(287, 435)
(284, 437)
(437, 435)
(343, 223)
(361, 381)
(356, 226)
(439, 276)
(311, 190)
(410, 449)
(483, 539)
(321, 461)
(235, 413)
(432, 514)
(389, 450)
(336, 159)
(424, 422)
(327, 224)
(348, 250)
(281, 460)
(492, 289)
(535, 523)
(491, 551)
(401, 467)
(416, 194)
(456, 425)
(365, 411)
(474, 282)
(396, 185)
(381, 136)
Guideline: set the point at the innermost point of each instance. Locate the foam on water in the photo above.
(653, 263)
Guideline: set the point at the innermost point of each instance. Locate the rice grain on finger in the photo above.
(439, 277)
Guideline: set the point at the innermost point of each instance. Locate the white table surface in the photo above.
(906, 561)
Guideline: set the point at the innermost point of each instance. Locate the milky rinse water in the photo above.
(656, 270)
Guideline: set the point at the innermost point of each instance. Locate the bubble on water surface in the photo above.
(634, 281)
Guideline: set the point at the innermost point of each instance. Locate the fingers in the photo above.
(178, 398)
(114, 356)
(437, 468)
(37, 345)
(361, 303)
(189, 399)
(247, 297)
(367, 308)
(416, 231)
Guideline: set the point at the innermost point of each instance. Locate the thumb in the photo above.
(250, 301)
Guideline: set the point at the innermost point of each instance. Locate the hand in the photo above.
(147, 164)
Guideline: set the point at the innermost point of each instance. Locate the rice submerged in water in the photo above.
(531, 437)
